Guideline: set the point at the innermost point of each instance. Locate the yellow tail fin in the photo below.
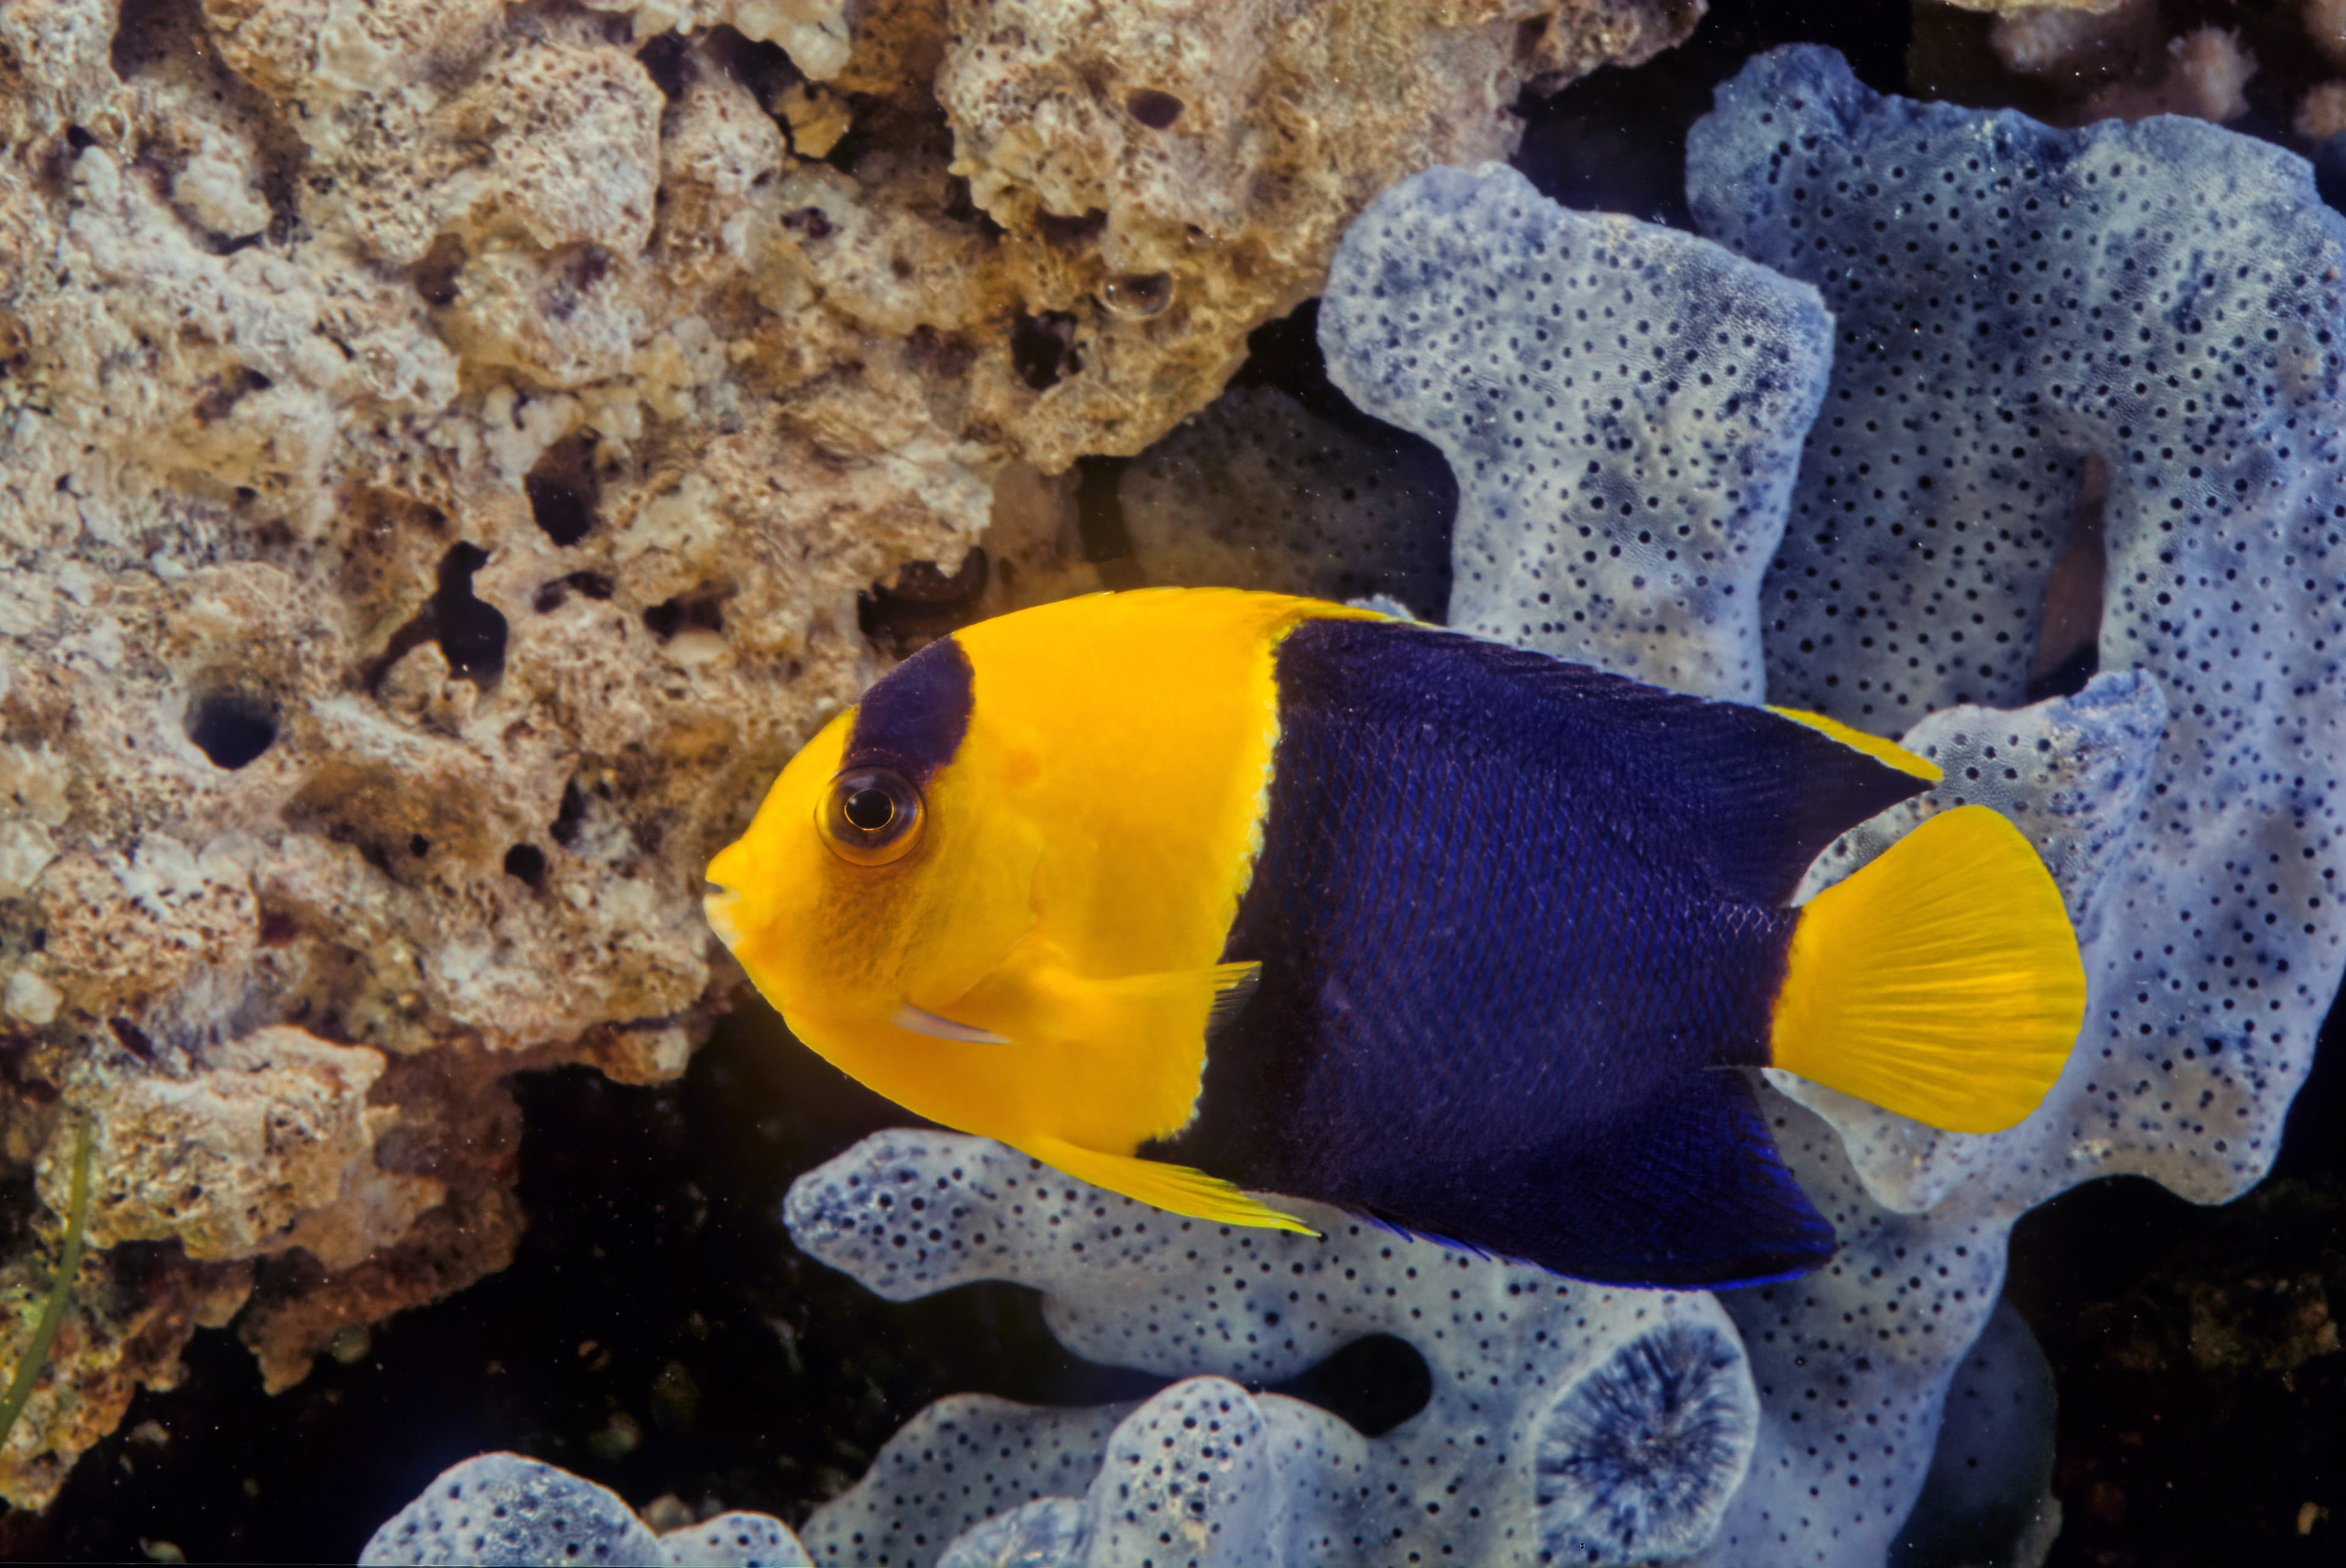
(1940, 981)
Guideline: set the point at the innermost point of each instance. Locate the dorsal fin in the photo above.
(1750, 795)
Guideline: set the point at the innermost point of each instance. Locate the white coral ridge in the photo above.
(503, 1508)
(1638, 420)
(1592, 1425)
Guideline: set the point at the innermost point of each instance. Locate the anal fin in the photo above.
(1179, 1189)
(1686, 1190)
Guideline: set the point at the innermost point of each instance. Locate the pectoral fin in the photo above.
(1170, 1008)
(1178, 1190)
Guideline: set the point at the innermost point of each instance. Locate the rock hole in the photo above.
(703, 608)
(79, 140)
(435, 276)
(231, 727)
(278, 929)
(143, 32)
(526, 863)
(1157, 110)
(581, 271)
(921, 603)
(554, 594)
(471, 635)
(762, 67)
(137, 1040)
(418, 845)
(221, 393)
(811, 221)
(1043, 348)
(1070, 233)
(564, 493)
(2070, 628)
(1373, 1384)
(666, 59)
(564, 829)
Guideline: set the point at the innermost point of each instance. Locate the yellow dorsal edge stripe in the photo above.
(1874, 746)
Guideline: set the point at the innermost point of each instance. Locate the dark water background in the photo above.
(659, 1333)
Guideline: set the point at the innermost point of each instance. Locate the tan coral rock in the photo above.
(2023, 7)
(2321, 114)
(2325, 24)
(570, 148)
(231, 1158)
(2080, 44)
(112, 1341)
(1175, 172)
(2205, 76)
(448, 452)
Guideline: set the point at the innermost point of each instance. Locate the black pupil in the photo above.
(869, 811)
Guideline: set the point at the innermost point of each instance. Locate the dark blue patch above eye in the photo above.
(914, 718)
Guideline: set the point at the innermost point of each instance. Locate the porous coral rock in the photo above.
(2026, 8)
(2208, 979)
(444, 442)
(1566, 1421)
(2184, 799)
(1622, 405)
(2322, 113)
(1192, 165)
(122, 1331)
(1258, 491)
(231, 1159)
(2205, 74)
(508, 1508)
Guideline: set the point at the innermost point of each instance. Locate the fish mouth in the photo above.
(716, 909)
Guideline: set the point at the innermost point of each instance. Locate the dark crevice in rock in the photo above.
(1043, 348)
(471, 635)
(563, 829)
(134, 1040)
(565, 492)
(1071, 233)
(2069, 625)
(667, 58)
(1374, 1384)
(922, 603)
(703, 609)
(526, 863)
(231, 727)
(553, 596)
(762, 67)
(225, 392)
(1157, 110)
(436, 276)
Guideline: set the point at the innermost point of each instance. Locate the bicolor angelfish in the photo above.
(1196, 894)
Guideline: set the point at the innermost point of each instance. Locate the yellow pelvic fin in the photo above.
(1874, 746)
(1940, 981)
(1178, 1190)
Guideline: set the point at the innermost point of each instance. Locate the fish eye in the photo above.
(871, 816)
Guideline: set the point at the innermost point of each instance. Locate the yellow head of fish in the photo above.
(996, 890)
